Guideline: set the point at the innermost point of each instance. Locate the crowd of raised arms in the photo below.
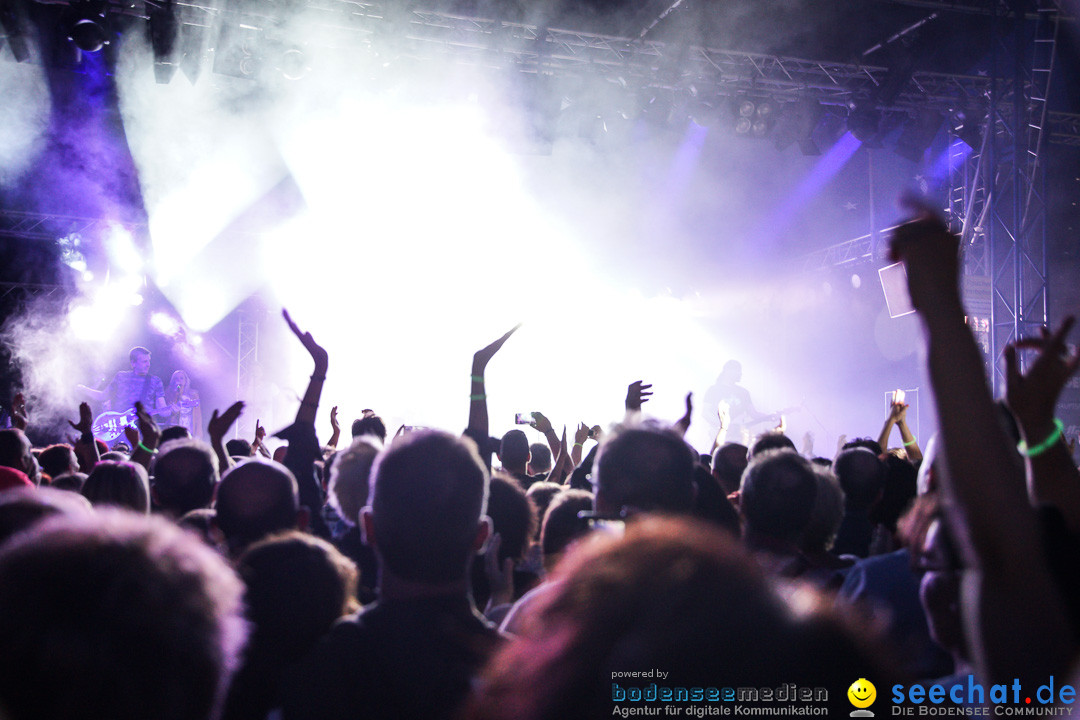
(446, 575)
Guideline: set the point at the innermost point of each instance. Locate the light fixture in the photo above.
(864, 122)
(163, 29)
(87, 26)
(918, 133)
(11, 19)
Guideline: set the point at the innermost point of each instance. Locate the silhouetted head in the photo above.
(425, 518)
(185, 475)
(777, 496)
(514, 451)
(115, 616)
(257, 498)
(644, 468)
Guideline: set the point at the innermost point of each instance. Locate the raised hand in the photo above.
(260, 432)
(86, 420)
(19, 418)
(931, 255)
(637, 393)
(132, 436)
(318, 354)
(219, 425)
(683, 423)
(541, 423)
(898, 412)
(1033, 396)
(334, 421)
(723, 413)
(151, 434)
(581, 434)
(483, 356)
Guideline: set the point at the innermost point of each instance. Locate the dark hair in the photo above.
(136, 351)
(540, 457)
(429, 493)
(711, 503)
(185, 475)
(370, 425)
(514, 450)
(238, 447)
(512, 515)
(115, 616)
(176, 432)
(14, 449)
(777, 494)
(561, 525)
(771, 441)
(901, 487)
(728, 463)
(297, 586)
(864, 442)
(541, 494)
(862, 476)
(58, 459)
(644, 467)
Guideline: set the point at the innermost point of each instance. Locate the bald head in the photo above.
(257, 498)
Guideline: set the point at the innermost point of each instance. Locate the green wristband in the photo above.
(1057, 434)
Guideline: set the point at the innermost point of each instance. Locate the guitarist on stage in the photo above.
(127, 386)
(744, 416)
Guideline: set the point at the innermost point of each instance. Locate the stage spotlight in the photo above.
(864, 122)
(163, 28)
(11, 19)
(796, 124)
(764, 118)
(918, 134)
(744, 115)
(88, 34)
(164, 324)
(293, 64)
(966, 127)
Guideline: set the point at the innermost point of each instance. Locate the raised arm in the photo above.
(1016, 627)
(218, 427)
(911, 443)
(259, 444)
(897, 416)
(86, 449)
(563, 465)
(1053, 478)
(334, 427)
(723, 412)
(145, 440)
(541, 424)
(580, 436)
(304, 447)
(478, 414)
(637, 394)
(683, 423)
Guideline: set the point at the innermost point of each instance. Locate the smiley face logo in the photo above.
(862, 693)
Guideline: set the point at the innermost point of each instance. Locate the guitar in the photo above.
(109, 426)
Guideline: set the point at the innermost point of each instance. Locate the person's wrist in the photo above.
(1041, 443)
(1035, 430)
